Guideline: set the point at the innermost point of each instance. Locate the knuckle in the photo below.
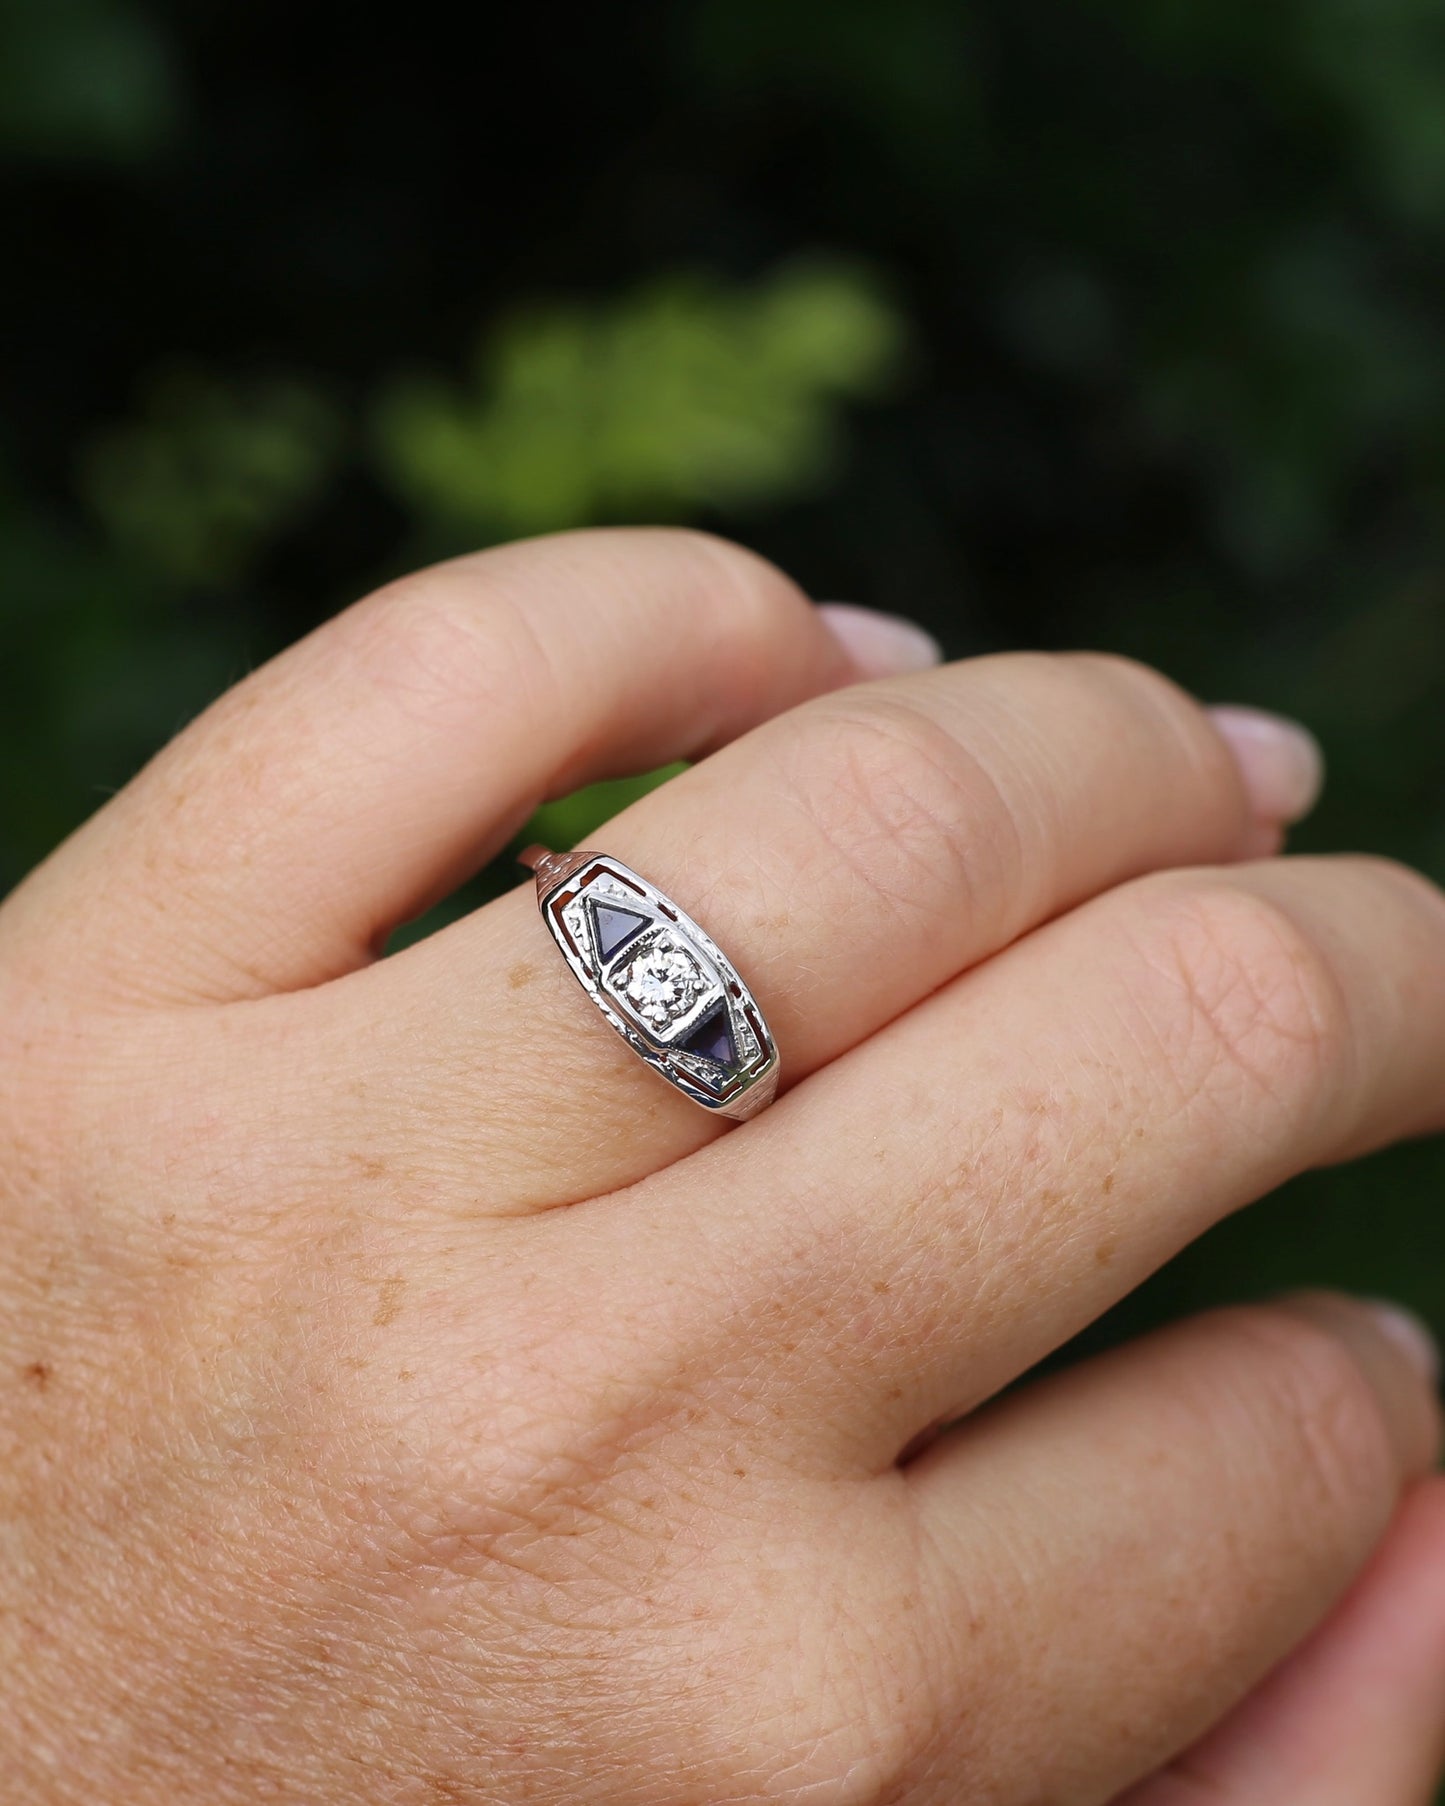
(1316, 1413)
(724, 591)
(465, 633)
(735, 600)
(893, 797)
(1121, 694)
(1248, 1006)
(424, 644)
(1130, 677)
(1191, 747)
(711, 564)
(1150, 689)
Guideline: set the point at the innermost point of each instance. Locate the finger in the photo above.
(342, 787)
(849, 858)
(1357, 1714)
(926, 1219)
(1145, 1537)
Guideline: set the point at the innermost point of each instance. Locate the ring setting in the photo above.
(659, 979)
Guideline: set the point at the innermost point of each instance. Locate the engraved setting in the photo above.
(659, 979)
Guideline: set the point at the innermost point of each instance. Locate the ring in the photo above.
(659, 979)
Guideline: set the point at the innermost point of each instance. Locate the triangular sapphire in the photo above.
(713, 1040)
(615, 928)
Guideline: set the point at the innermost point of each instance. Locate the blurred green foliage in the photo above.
(194, 486)
(1119, 323)
(84, 79)
(686, 394)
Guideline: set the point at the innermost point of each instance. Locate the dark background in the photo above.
(1049, 324)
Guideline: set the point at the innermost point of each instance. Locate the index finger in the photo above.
(342, 787)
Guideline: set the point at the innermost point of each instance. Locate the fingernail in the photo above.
(1410, 1334)
(1282, 765)
(881, 645)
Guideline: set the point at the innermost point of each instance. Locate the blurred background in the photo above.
(1118, 324)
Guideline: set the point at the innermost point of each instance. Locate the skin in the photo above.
(408, 1399)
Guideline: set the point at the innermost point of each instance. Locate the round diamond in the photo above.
(663, 983)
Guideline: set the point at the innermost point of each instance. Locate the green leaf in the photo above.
(683, 396)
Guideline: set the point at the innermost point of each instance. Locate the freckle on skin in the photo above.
(521, 975)
(1106, 1250)
(38, 1373)
(388, 1304)
(1108, 1183)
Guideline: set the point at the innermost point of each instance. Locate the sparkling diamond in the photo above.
(663, 983)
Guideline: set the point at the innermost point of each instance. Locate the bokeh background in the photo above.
(1118, 324)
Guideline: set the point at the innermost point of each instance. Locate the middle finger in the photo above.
(920, 1224)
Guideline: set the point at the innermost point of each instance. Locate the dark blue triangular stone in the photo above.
(615, 928)
(713, 1039)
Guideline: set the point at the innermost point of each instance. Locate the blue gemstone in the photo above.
(615, 928)
(713, 1040)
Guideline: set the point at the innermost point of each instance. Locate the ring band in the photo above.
(659, 979)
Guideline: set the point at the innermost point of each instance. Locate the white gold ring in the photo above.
(660, 980)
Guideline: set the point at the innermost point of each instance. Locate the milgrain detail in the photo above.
(661, 981)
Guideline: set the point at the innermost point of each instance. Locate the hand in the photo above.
(409, 1399)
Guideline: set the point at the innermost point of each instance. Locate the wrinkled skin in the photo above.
(406, 1398)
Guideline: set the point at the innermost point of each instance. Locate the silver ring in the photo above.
(660, 980)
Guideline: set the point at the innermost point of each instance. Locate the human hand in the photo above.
(409, 1399)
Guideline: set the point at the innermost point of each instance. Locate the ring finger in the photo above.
(850, 857)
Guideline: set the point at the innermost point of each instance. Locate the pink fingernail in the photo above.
(1410, 1334)
(1281, 762)
(881, 645)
